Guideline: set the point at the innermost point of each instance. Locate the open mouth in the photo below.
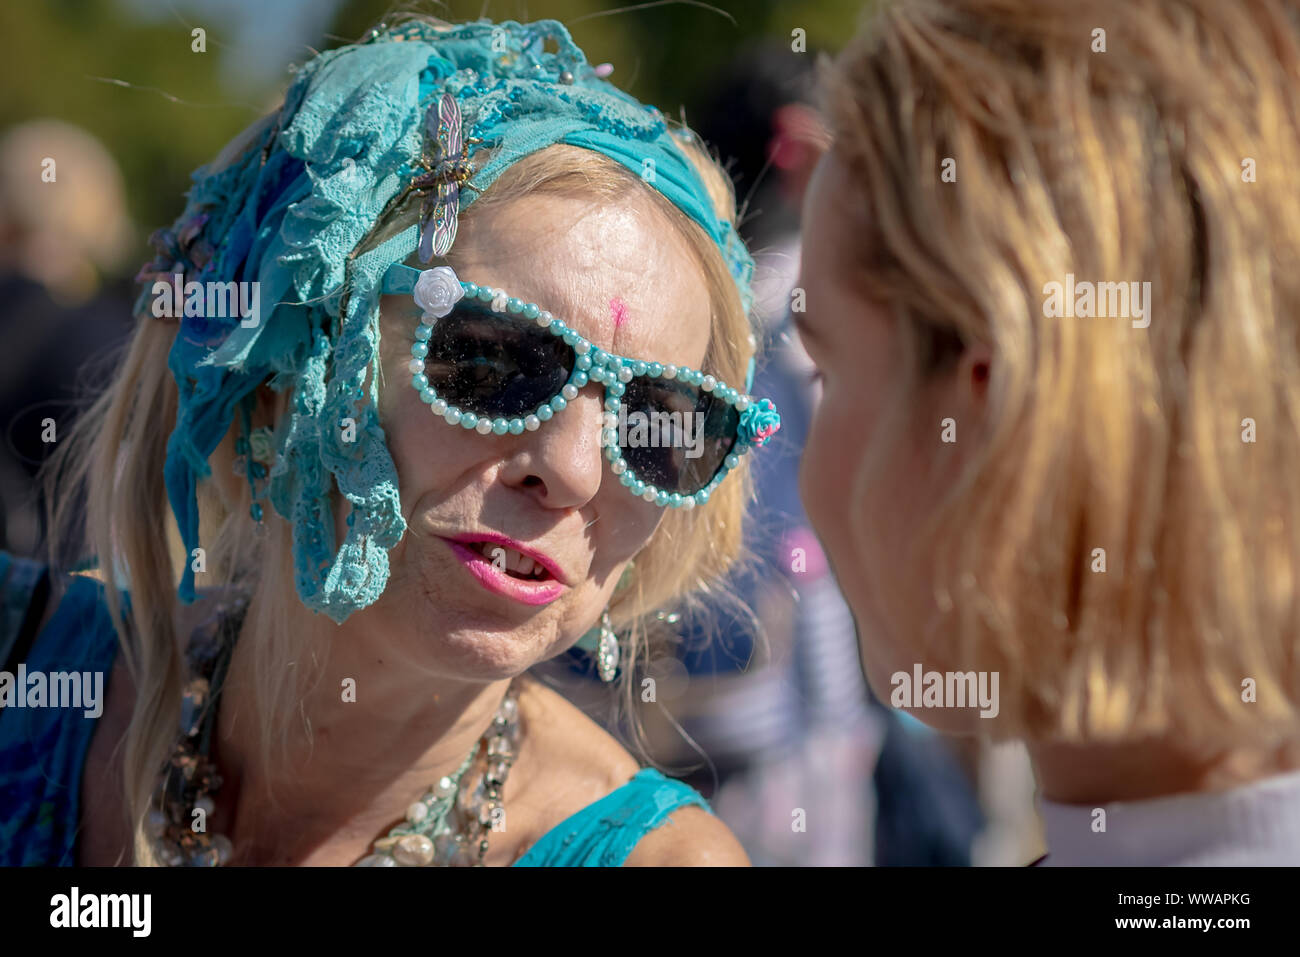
(513, 563)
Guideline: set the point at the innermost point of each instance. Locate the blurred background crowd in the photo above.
(767, 715)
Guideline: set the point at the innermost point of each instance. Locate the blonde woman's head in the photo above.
(1052, 281)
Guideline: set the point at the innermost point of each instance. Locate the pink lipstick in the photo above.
(542, 585)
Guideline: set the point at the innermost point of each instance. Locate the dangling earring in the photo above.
(604, 643)
(601, 640)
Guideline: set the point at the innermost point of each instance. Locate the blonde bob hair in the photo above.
(117, 449)
(1123, 546)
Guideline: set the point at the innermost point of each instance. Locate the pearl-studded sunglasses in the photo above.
(493, 363)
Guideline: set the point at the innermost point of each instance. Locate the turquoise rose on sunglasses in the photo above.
(759, 422)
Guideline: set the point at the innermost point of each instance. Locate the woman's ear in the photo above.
(962, 398)
(975, 368)
(974, 371)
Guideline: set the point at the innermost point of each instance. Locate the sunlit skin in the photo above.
(432, 657)
(854, 346)
(857, 351)
(550, 489)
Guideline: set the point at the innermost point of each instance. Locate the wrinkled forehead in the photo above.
(619, 273)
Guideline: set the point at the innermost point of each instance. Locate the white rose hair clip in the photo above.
(437, 291)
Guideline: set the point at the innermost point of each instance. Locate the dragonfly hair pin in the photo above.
(447, 170)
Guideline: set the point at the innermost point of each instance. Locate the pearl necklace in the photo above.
(446, 827)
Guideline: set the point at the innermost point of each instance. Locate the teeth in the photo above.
(511, 560)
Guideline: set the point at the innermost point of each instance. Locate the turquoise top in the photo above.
(42, 752)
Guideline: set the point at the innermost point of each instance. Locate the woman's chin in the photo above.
(478, 647)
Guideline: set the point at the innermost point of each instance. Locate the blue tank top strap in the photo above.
(604, 833)
(43, 749)
(19, 581)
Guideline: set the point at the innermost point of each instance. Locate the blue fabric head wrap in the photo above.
(288, 215)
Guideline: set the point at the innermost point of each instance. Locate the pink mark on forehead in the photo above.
(618, 309)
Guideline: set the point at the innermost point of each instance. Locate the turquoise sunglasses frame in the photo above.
(757, 423)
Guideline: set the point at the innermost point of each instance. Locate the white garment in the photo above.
(1253, 825)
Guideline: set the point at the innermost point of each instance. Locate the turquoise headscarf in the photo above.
(292, 209)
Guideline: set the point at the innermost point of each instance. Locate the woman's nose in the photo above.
(561, 463)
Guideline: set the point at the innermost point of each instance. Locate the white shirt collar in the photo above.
(1256, 824)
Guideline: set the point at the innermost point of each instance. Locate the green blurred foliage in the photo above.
(662, 53)
(56, 50)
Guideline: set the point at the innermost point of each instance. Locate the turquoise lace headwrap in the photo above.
(289, 213)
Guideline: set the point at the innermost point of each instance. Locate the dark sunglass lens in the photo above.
(675, 436)
(491, 365)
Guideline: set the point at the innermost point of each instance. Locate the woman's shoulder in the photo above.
(37, 603)
(608, 809)
(74, 606)
(53, 621)
(52, 691)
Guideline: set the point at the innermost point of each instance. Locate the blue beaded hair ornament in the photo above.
(361, 128)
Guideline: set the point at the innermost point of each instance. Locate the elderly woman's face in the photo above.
(625, 279)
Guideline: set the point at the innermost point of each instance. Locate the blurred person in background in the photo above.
(64, 239)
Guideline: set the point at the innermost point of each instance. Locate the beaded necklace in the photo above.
(448, 826)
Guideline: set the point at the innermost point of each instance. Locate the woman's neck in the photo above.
(381, 733)
(1134, 771)
(1159, 804)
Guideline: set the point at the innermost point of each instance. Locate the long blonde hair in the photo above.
(116, 451)
(1167, 158)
